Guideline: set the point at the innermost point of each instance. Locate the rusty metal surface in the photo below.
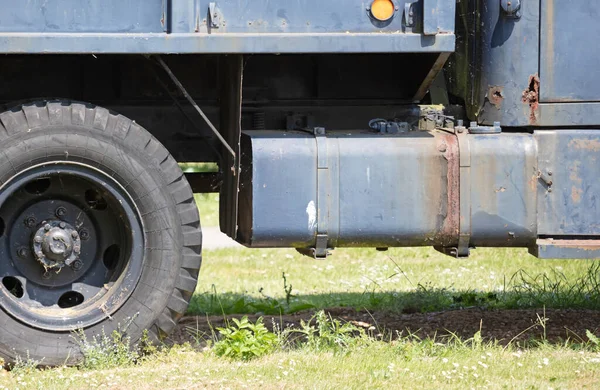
(450, 210)
(495, 96)
(531, 98)
(566, 249)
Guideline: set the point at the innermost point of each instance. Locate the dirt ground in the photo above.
(500, 325)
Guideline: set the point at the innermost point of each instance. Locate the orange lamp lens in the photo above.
(382, 10)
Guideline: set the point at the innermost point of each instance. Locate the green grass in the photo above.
(405, 364)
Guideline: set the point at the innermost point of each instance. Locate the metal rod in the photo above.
(198, 109)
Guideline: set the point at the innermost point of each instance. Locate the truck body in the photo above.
(377, 123)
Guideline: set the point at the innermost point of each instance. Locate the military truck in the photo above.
(331, 123)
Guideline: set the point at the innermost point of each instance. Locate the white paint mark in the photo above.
(369, 176)
(311, 210)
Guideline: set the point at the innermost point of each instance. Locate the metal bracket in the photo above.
(388, 127)
(321, 247)
(474, 128)
(409, 14)
(199, 110)
(464, 148)
(214, 15)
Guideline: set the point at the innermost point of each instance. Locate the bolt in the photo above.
(460, 129)
(38, 239)
(30, 222)
(46, 275)
(62, 225)
(22, 252)
(442, 148)
(61, 212)
(76, 248)
(84, 234)
(76, 265)
(74, 234)
(47, 227)
(549, 173)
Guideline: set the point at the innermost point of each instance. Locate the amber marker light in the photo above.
(382, 10)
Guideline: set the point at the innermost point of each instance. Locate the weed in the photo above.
(104, 351)
(328, 334)
(24, 366)
(244, 340)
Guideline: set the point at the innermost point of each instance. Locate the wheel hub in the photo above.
(56, 244)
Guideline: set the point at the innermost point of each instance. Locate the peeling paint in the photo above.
(576, 194)
(311, 211)
(585, 144)
(531, 96)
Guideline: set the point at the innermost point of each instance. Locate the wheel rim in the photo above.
(72, 246)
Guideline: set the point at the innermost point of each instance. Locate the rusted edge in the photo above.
(448, 146)
(586, 245)
(531, 97)
(495, 95)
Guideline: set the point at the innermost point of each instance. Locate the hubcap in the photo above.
(56, 245)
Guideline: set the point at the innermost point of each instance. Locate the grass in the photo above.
(377, 365)
(326, 353)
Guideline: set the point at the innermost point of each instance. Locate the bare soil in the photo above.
(501, 325)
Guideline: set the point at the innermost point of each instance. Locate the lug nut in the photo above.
(39, 254)
(84, 234)
(76, 265)
(37, 239)
(74, 234)
(22, 252)
(30, 222)
(76, 249)
(62, 225)
(47, 227)
(61, 212)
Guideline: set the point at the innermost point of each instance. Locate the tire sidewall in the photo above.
(141, 176)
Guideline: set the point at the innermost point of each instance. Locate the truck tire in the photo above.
(99, 231)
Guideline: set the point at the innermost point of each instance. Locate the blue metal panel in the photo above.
(569, 51)
(241, 26)
(503, 64)
(503, 190)
(52, 16)
(568, 182)
(225, 43)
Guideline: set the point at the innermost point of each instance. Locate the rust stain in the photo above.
(495, 96)
(531, 97)
(585, 144)
(576, 194)
(574, 174)
(451, 225)
(586, 245)
(533, 182)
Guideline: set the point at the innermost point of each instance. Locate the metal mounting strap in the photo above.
(323, 181)
(464, 148)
